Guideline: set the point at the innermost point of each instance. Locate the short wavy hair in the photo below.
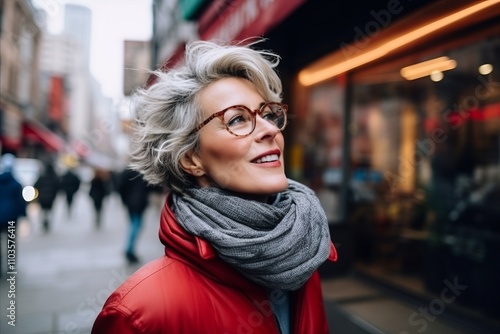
(167, 112)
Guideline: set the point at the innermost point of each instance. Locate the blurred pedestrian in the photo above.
(70, 183)
(134, 192)
(12, 203)
(48, 186)
(242, 241)
(99, 189)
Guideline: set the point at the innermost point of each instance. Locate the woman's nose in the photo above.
(264, 128)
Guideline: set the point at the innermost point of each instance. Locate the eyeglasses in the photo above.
(240, 120)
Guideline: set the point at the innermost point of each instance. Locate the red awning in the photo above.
(9, 144)
(34, 132)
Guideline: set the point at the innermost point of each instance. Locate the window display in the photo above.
(425, 171)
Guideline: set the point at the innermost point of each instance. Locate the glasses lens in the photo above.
(274, 114)
(239, 121)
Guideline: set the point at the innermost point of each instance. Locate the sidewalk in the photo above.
(353, 307)
(64, 277)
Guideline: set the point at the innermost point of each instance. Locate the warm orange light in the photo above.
(426, 68)
(309, 77)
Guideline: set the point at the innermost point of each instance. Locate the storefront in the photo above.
(399, 134)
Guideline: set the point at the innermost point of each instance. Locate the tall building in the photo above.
(78, 25)
(59, 59)
(60, 54)
(80, 104)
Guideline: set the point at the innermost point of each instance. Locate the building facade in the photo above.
(20, 36)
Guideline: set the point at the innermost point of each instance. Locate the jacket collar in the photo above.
(198, 254)
(172, 232)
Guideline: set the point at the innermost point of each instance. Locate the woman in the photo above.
(242, 242)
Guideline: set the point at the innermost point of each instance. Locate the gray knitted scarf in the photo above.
(277, 245)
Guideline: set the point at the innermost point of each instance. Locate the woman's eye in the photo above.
(268, 116)
(236, 120)
(237, 117)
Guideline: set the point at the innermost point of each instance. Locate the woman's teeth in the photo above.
(267, 158)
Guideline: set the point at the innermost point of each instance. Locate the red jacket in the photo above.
(191, 290)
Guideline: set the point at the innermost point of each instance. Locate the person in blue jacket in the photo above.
(12, 204)
(134, 193)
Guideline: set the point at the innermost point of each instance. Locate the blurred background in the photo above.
(395, 123)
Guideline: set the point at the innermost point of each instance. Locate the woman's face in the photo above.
(252, 165)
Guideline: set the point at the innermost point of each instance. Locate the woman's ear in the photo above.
(191, 164)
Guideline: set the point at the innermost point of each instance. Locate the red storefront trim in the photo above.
(244, 18)
(37, 133)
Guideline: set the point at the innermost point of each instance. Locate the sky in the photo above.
(113, 21)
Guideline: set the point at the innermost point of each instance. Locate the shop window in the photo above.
(425, 174)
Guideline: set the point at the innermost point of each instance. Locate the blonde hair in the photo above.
(167, 112)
